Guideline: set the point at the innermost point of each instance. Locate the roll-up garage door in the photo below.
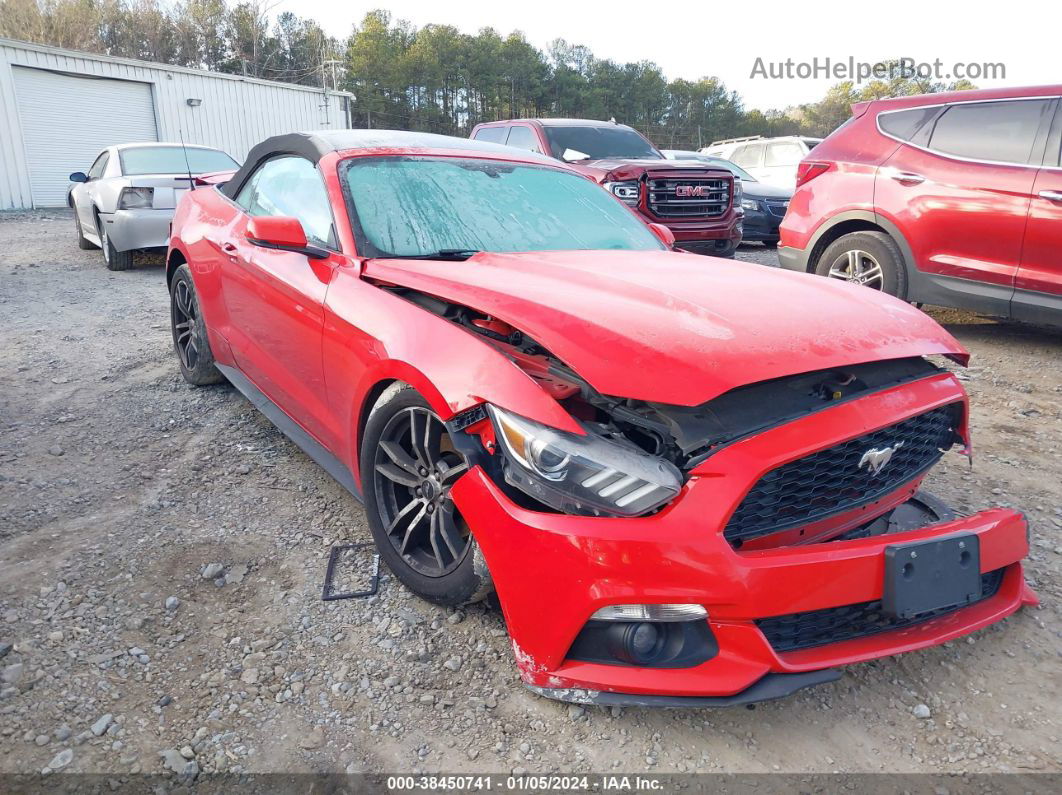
(67, 120)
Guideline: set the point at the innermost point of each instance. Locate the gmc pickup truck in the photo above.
(699, 203)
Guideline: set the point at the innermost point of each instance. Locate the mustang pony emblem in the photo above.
(876, 459)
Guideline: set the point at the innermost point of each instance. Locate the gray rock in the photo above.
(212, 570)
(62, 734)
(186, 769)
(12, 673)
(921, 711)
(100, 726)
(55, 450)
(61, 759)
(236, 574)
(576, 711)
(42, 739)
(454, 664)
(172, 602)
(5, 648)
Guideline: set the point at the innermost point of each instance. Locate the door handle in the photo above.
(229, 249)
(907, 178)
(1051, 195)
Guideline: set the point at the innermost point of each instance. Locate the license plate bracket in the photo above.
(925, 576)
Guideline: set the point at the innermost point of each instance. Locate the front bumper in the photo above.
(553, 571)
(133, 229)
(760, 225)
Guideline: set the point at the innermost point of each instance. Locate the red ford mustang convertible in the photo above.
(691, 482)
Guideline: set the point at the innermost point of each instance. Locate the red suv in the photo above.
(950, 199)
(699, 203)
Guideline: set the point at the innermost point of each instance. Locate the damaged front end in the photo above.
(634, 456)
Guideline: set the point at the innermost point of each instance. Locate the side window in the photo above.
(523, 138)
(99, 166)
(783, 154)
(999, 131)
(494, 135)
(905, 124)
(291, 186)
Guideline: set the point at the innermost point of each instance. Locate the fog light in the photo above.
(650, 613)
(640, 643)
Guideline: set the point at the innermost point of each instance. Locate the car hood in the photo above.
(673, 327)
(761, 190)
(620, 168)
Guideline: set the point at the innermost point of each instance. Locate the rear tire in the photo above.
(114, 259)
(189, 330)
(418, 530)
(83, 242)
(869, 258)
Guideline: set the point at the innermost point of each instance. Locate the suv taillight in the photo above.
(807, 170)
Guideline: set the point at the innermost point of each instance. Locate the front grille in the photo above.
(839, 479)
(777, 208)
(702, 197)
(835, 624)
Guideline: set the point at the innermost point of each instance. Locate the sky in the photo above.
(724, 39)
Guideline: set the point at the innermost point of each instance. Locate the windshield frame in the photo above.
(365, 247)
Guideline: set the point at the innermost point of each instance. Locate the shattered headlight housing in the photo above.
(626, 191)
(586, 475)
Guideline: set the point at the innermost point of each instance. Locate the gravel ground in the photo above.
(163, 549)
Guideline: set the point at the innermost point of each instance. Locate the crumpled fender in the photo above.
(452, 368)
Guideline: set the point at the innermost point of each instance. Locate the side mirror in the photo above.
(282, 233)
(663, 234)
(79, 176)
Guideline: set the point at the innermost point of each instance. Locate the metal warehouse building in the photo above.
(61, 107)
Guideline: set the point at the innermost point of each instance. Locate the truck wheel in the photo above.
(408, 466)
(190, 332)
(115, 260)
(871, 259)
(83, 242)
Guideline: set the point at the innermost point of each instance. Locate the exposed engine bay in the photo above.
(683, 435)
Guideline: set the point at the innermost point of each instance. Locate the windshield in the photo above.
(170, 160)
(415, 206)
(600, 142)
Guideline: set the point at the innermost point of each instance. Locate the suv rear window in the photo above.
(996, 131)
(600, 142)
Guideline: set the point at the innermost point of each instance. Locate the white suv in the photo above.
(770, 160)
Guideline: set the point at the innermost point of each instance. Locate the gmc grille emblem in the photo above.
(876, 459)
(690, 191)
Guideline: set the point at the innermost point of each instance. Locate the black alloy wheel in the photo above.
(414, 467)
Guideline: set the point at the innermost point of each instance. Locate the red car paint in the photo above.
(707, 235)
(320, 337)
(974, 233)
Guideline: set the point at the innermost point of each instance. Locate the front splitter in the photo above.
(768, 688)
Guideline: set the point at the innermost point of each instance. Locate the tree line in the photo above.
(435, 78)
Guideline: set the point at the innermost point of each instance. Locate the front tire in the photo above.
(408, 466)
(190, 333)
(871, 259)
(115, 260)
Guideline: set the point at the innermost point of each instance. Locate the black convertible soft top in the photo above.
(315, 145)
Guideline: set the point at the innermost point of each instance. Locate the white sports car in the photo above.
(126, 200)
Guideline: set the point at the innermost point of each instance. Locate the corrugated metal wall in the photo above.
(235, 114)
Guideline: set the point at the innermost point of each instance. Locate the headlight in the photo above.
(750, 204)
(136, 198)
(587, 475)
(626, 192)
(739, 191)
